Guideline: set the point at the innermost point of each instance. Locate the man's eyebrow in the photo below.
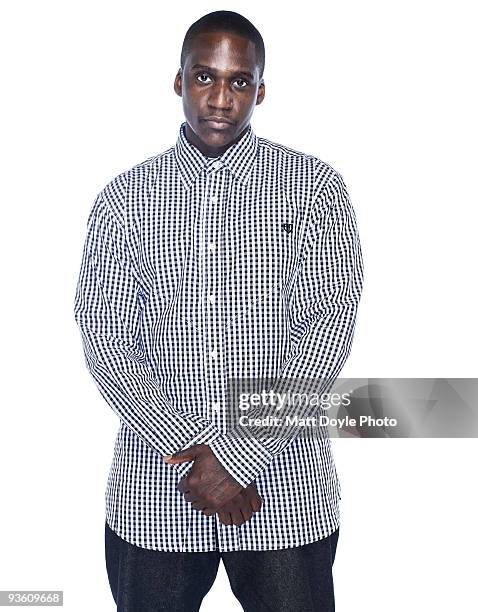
(209, 69)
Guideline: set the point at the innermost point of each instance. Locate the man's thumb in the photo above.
(189, 454)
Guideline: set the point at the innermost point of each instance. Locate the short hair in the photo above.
(225, 21)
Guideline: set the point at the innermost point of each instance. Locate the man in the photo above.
(226, 257)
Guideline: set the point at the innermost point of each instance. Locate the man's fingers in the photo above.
(197, 504)
(237, 517)
(246, 514)
(183, 486)
(189, 454)
(256, 503)
(225, 518)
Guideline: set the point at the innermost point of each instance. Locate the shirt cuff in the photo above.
(243, 457)
(205, 436)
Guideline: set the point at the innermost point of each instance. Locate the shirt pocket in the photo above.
(260, 272)
(271, 250)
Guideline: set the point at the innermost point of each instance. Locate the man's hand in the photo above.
(240, 508)
(208, 485)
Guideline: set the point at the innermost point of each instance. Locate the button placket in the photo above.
(212, 268)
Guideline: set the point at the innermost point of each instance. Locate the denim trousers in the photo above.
(297, 579)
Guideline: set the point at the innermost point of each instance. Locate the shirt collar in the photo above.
(238, 158)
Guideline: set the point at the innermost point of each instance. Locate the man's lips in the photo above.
(219, 123)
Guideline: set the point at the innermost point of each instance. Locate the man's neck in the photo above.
(205, 149)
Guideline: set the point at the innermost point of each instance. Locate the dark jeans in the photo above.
(295, 579)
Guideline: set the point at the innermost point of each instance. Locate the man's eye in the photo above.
(244, 83)
(202, 75)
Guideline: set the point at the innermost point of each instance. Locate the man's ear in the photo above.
(178, 83)
(261, 92)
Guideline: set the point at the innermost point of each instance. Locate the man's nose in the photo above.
(220, 96)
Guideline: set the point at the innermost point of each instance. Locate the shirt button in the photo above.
(213, 200)
(213, 354)
(211, 298)
(211, 246)
(216, 406)
(216, 165)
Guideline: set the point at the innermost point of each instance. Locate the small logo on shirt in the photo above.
(287, 227)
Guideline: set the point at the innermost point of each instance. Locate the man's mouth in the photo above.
(218, 123)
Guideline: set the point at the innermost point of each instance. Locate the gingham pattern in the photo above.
(187, 279)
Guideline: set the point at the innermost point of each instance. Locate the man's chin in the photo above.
(215, 138)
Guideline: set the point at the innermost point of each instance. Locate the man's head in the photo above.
(221, 76)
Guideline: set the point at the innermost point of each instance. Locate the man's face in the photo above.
(220, 87)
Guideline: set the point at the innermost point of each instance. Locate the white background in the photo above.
(384, 92)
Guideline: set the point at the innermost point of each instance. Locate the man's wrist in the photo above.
(208, 434)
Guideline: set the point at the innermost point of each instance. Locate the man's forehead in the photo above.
(222, 50)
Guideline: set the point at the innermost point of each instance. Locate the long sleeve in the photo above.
(322, 311)
(108, 303)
